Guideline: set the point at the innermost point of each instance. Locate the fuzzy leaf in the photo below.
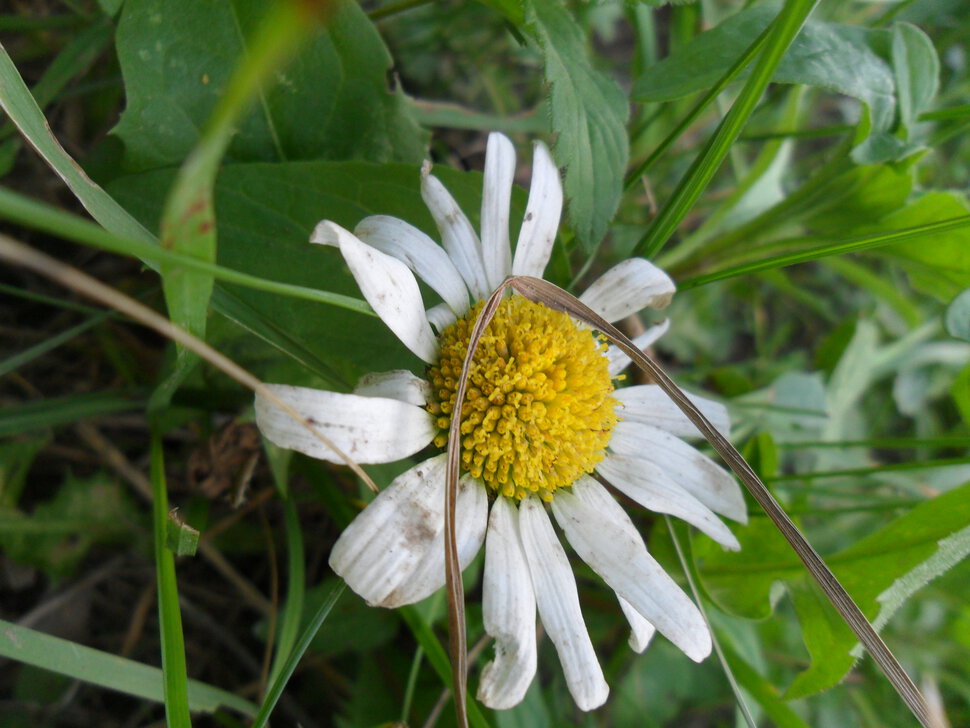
(917, 69)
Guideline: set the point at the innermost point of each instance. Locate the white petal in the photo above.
(628, 287)
(558, 603)
(441, 317)
(647, 403)
(496, 195)
(391, 536)
(367, 429)
(421, 254)
(641, 631)
(389, 287)
(542, 213)
(457, 235)
(650, 486)
(700, 476)
(397, 384)
(509, 611)
(428, 576)
(620, 361)
(605, 538)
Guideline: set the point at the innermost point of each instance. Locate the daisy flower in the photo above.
(540, 419)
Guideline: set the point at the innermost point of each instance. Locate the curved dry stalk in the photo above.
(23, 255)
(551, 295)
(457, 638)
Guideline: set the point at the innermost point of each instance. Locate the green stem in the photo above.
(169, 614)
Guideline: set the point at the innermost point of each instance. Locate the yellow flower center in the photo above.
(538, 411)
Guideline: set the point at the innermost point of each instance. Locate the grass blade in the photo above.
(286, 671)
(106, 670)
(169, 614)
(852, 245)
(20, 106)
(783, 30)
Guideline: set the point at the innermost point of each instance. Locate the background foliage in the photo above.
(811, 206)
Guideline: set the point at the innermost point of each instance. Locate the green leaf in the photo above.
(762, 690)
(957, 317)
(180, 538)
(740, 583)
(828, 55)
(109, 671)
(176, 59)
(881, 572)
(57, 535)
(589, 113)
(266, 213)
(938, 265)
(188, 223)
(917, 69)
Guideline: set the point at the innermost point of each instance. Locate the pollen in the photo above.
(538, 412)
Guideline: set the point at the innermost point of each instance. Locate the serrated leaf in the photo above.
(589, 113)
(176, 59)
(827, 55)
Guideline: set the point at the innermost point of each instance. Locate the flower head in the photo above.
(540, 418)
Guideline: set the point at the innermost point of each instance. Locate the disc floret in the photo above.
(538, 411)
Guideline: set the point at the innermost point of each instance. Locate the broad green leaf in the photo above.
(106, 670)
(828, 55)
(917, 69)
(859, 196)
(188, 224)
(589, 113)
(881, 572)
(938, 265)
(741, 583)
(331, 102)
(957, 317)
(266, 213)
